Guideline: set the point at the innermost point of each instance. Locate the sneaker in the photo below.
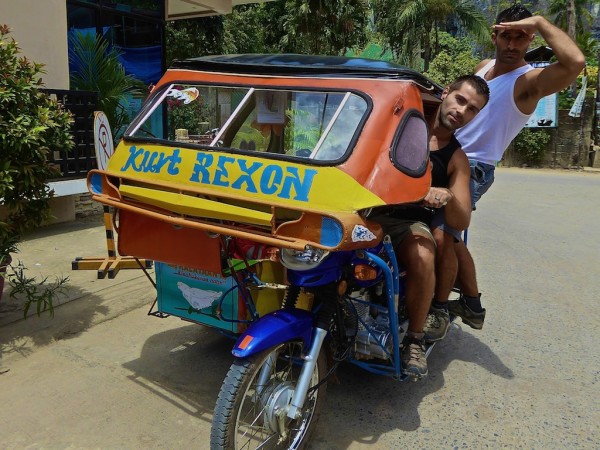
(436, 325)
(413, 358)
(460, 309)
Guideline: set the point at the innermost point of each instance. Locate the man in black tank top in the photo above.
(450, 192)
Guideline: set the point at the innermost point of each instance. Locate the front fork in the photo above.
(326, 297)
(306, 373)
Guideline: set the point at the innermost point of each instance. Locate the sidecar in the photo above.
(240, 154)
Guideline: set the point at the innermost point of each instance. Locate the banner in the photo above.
(578, 105)
(546, 111)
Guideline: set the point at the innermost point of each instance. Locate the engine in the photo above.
(371, 328)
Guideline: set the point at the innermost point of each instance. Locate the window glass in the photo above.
(146, 7)
(302, 124)
(410, 150)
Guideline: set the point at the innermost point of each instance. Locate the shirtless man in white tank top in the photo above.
(515, 89)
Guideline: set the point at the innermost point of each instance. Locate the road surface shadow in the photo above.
(365, 406)
(185, 367)
(21, 336)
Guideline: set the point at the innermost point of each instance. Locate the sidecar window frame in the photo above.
(397, 140)
(155, 101)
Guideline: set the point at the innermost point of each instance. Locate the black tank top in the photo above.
(440, 160)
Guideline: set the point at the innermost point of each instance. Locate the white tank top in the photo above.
(487, 136)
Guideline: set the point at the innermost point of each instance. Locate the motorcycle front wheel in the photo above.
(252, 404)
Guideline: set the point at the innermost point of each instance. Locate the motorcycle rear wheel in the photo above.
(245, 413)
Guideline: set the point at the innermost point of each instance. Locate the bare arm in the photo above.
(457, 197)
(458, 210)
(555, 77)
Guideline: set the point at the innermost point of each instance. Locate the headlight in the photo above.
(306, 259)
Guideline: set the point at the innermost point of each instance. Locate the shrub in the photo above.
(530, 145)
(32, 127)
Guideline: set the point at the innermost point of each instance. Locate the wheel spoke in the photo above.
(262, 394)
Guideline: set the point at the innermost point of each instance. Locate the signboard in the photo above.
(546, 112)
(103, 141)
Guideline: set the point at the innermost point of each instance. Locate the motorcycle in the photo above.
(274, 391)
(263, 226)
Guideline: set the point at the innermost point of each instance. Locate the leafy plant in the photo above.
(32, 127)
(39, 293)
(530, 145)
(97, 68)
(445, 67)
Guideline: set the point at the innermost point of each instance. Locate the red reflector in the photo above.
(245, 342)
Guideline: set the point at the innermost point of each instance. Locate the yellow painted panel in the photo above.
(194, 206)
(268, 181)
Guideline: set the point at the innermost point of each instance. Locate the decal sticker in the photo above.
(198, 298)
(362, 234)
(233, 172)
(187, 95)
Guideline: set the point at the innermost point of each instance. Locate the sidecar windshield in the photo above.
(318, 125)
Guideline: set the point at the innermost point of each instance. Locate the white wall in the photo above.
(40, 28)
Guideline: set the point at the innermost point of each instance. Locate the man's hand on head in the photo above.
(528, 25)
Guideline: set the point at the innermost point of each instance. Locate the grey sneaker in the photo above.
(460, 309)
(413, 358)
(436, 325)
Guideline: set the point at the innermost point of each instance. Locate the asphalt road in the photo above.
(105, 375)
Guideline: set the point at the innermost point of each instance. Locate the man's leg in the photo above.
(468, 306)
(416, 253)
(466, 277)
(446, 267)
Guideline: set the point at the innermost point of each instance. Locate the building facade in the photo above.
(136, 28)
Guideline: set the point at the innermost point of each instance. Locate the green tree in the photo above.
(447, 67)
(255, 28)
(589, 46)
(190, 38)
(97, 68)
(293, 26)
(327, 27)
(583, 18)
(411, 27)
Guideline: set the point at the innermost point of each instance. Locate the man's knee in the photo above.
(418, 253)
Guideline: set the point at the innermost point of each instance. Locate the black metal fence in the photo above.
(77, 162)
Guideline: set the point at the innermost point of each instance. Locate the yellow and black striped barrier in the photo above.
(114, 262)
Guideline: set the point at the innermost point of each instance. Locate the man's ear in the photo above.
(445, 92)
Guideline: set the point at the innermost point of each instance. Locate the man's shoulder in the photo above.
(482, 64)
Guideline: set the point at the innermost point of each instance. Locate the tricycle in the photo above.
(251, 180)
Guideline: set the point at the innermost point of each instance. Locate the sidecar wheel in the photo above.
(246, 415)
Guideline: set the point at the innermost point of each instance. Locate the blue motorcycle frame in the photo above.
(295, 324)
